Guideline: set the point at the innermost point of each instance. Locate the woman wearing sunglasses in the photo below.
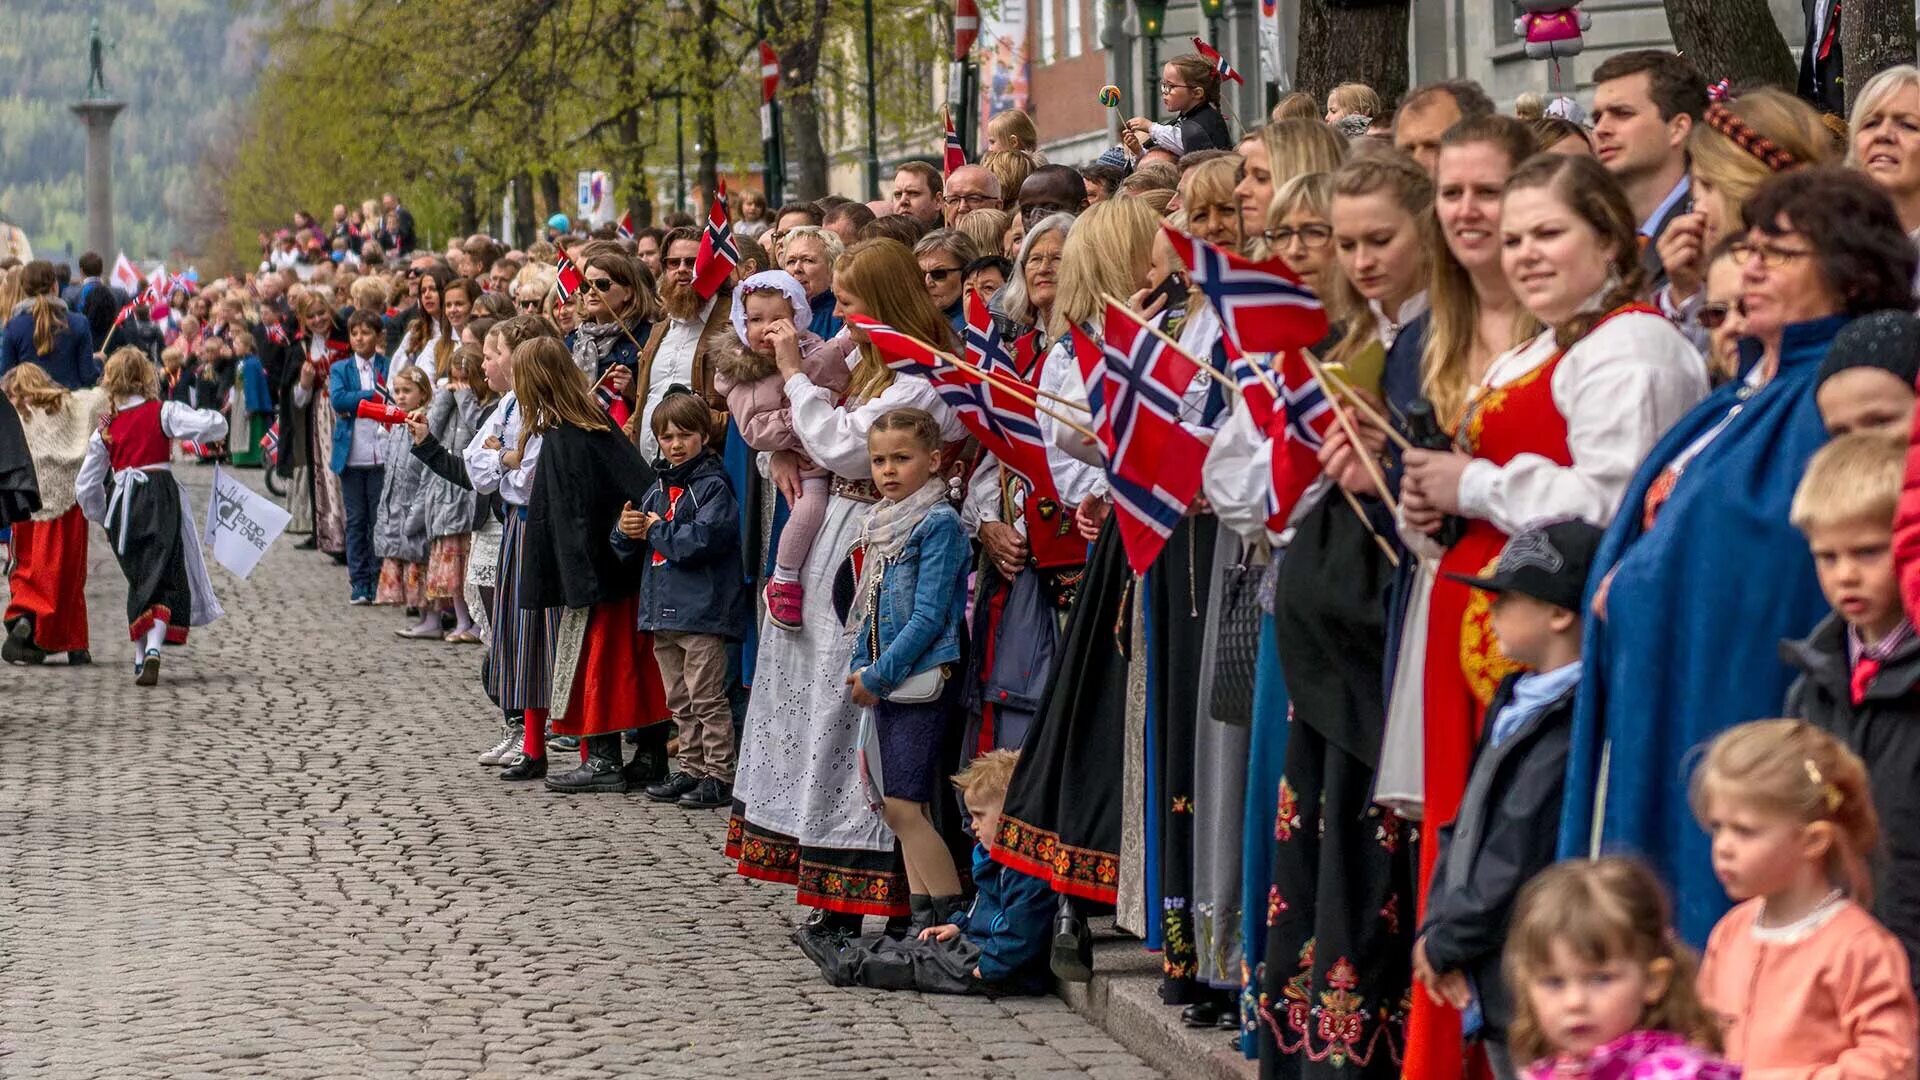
(617, 311)
(1701, 574)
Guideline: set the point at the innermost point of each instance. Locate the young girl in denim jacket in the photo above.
(910, 597)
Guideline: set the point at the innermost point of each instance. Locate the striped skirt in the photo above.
(519, 672)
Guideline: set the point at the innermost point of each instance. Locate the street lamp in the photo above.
(873, 130)
(1153, 17)
(1213, 10)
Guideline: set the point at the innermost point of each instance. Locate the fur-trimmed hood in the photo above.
(740, 365)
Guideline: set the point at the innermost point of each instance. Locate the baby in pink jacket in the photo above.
(744, 370)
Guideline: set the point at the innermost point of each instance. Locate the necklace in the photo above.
(1787, 933)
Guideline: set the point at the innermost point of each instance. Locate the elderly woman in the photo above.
(810, 253)
(1883, 139)
(530, 288)
(943, 255)
(1026, 301)
(1681, 648)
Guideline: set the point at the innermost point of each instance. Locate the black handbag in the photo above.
(1236, 650)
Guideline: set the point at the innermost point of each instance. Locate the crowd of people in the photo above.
(1434, 741)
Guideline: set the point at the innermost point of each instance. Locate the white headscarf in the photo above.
(771, 281)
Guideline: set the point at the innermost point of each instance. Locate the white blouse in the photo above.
(484, 469)
(177, 421)
(835, 436)
(1619, 388)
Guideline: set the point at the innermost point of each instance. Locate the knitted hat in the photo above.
(1353, 126)
(1888, 340)
(1116, 157)
(776, 281)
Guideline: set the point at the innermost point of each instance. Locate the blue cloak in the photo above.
(1695, 615)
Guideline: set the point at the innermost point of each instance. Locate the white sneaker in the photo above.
(507, 751)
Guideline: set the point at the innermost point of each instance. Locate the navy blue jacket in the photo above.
(70, 362)
(1009, 920)
(693, 582)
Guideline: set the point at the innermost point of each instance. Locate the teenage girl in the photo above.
(1805, 982)
(1602, 987)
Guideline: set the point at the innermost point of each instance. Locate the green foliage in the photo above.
(182, 66)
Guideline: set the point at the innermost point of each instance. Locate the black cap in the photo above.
(1888, 340)
(1546, 562)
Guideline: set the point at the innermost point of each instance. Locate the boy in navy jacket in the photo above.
(693, 599)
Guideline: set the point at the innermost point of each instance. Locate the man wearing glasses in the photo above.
(970, 188)
(675, 351)
(1052, 189)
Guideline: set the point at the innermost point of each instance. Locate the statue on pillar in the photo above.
(96, 55)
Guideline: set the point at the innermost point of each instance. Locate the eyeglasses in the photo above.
(1312, 236)
(972, 202)
(1032, 212)
(1714, 316)
(675, 264)
(527, 304)
(1170, 87)
(939, 274)
(412, 273)
(598, 284)
(1771, 256)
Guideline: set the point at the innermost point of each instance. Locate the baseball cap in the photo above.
(1547, 562)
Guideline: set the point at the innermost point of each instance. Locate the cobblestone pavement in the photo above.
(283, 863)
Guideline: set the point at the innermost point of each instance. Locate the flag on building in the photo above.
(718, 255)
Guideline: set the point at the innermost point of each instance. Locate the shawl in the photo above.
(58, 443)
(884, 534)
(1695, 613)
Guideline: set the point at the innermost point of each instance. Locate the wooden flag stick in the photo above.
(1353, 433)
(1372, 414)
(1265, 376)
(1017, 389)
(1377, 538)
(1206, 368)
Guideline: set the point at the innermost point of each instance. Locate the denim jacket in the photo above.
(919, 605)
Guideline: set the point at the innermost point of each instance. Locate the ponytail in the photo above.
(38, 282)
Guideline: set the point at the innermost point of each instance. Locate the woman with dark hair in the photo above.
(40, 330)
(314, 499)
(618, 307)
(1678, 651)
(429, 336)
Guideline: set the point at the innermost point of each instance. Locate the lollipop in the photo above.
(1110, 96)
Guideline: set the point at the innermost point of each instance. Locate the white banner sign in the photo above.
(240, 524)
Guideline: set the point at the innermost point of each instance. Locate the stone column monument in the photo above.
(97, 111)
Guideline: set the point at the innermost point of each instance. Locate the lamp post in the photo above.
(873, 128)
(966, 29)
(1213, 10)
(1153, 18)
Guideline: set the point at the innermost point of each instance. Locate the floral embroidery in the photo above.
(1387, 833)
(1183, 804)
(1333, 1026)
(1287, 817)
(1275, 904)
(1390, 913)
(1082, 872)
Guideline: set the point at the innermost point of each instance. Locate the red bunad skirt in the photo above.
(49, 580)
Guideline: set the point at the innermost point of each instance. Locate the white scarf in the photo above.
(884, 536)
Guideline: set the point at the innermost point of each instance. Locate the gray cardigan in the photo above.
(453, 418)
(400, 529)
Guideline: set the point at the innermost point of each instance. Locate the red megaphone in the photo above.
(380, 412)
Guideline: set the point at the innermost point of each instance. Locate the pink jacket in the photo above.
(756, 394)
(1637, 1055)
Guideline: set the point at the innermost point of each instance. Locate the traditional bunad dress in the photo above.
(126, 483)
(1555, 433)
(48, 584)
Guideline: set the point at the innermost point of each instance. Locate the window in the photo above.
(1049, 43)
(1073, 25)
(1099, 24)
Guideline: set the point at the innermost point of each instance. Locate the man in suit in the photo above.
(1821, 83)
(1645, 103)
(356, 447)
(93, 298)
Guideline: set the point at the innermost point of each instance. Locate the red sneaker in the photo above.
(783, 603)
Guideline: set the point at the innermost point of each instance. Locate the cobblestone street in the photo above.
(284, 863)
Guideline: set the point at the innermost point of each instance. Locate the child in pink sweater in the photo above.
(1806, 984)
(770, 311)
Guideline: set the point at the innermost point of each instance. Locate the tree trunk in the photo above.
(705, 130)
(631, 163)
(1361, 44)
(526, 226)
(1735, 40)
(797, 28)
(1874, 36)
(550, 192)
(469, 199)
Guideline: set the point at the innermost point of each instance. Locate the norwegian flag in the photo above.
(1263, 306)
(625, 226)
(1153, 464)
(1023, 444)
(1257, 390)
(956, 155)
(673, 500)
(769, 73)
(147, 296)
(1220, 65)
(717, 256)
(908, 355)
(270, 444)
(569, 282)
(277, 333)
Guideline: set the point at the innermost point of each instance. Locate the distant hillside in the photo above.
(185, 69)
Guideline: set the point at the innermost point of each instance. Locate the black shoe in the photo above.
(596, 774)
(533, 768)
(1204, 1014)
(309, 544)
(824, 926)
(670, 789)
(19, 647)
(1230, 1020)
(77, 657)
(1072, 957)
(709, 794)
(647, 767)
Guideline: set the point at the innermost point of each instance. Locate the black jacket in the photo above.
(1821, 84)
(582, 480)
(19, 486)
(1656, 271)
(1506, 831)
(1884, 729)
(693, 582)
(452, 468)
(1203, 128)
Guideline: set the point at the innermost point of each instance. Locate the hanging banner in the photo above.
(1273, 59)
(1002, 48)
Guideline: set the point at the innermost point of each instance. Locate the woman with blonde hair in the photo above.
(40, 330)
(1276, 153)
(47, 606)
(126, 484)
(1738, 145)
(803, 816)
(1011, 168)
(1883, 138)
(1208, 200)
(985, 228)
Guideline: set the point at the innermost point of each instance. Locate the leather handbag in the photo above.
(1236, 651)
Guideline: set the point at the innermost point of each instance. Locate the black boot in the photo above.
(77, 657)
(529, 768)
(1072, 957)
(649, 764)
(919, 916)
(599, 772)
(19, 647)
(944, 908)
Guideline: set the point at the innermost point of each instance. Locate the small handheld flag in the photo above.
(1263, 306)
(1220, 65)
(718, 255)
(956, 154)
(569, 282)
(277, 333)
(625, 226)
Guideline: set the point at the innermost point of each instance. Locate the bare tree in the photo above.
(1735, 40)
(1359, 44)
